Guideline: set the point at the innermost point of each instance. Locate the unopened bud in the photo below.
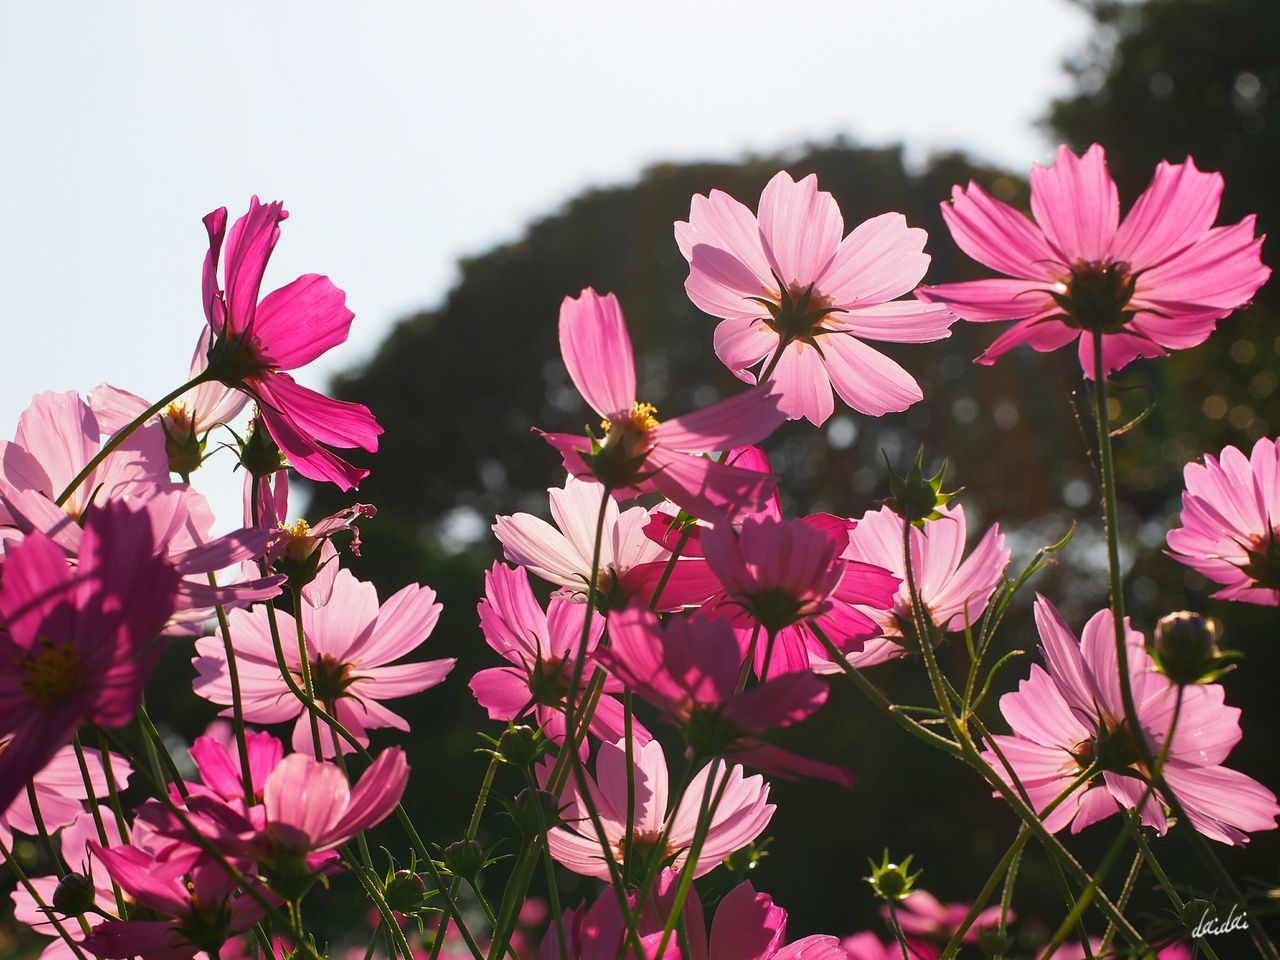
(464, 858)
(892, 881)
(1186, 648)
(73, 895)
(915, 497)
(406, 892)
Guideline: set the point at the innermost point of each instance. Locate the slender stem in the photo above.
(96, 812)
(237, 702)
(628, 740)
(161, 751)
(553, 891)
(896, 927)
(670, 567)
(123, 434)
(387, 918)
(1006, 898)
(1111, 522)
(772, 365)
(304, 659)
(45, 840)
(113, 789)
(44, 908)
(1122, 901)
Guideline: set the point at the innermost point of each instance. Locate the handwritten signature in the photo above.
(1211, 926)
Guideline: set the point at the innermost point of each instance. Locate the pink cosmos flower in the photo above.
(217, 760)
(784, 574)
(689, 667)
(542, 649)
(788, 282)
(1071, 715)
(255, 342)
(743, 813)
(78, 643)
(1230, 529)
(202, 904)
(921, 914)
(307, 810)
(638, 453)
(60, 791)
(351, 645)
(1157, 281)
(747, 926)
(955, 589)
(631, 564)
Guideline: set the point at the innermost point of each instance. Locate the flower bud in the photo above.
(915, 497)
(464, 858)
(522, 746)
(258, 451)
(993, 943)
(892, 881)
(406, 892)
(534, 810)
(1186, 648)
(73, 895)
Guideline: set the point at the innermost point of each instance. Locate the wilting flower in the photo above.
(638, 453)
(1157, 281)
(954, 588)
(631, 564)
(60, 791)
(747, 926)
(783, 575)
(80, 641)
(542, 649)
(689, 668)
(1071, 716)
(741, 816)
(1230, 529)
(352, 644)
(202, 905)
(255, 342)
(791, 285)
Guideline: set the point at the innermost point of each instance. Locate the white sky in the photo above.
(405, 135)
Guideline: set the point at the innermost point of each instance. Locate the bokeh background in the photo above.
(562, 145)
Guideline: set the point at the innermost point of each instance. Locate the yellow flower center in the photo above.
(642, 418)
(51, 672)
(297, 530)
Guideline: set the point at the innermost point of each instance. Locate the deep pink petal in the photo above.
(1076, 203)
(597, 351)
(300, 321)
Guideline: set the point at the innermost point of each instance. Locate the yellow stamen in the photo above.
(51, 672)
(642, 417)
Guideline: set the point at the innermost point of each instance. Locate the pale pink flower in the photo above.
(1230, 529)
(688, 667)
(921, 914)
(631, 564)
(1157, 281)
(791, 281)
(1072, 714)
(741, 816)
(255, 342)
(352, 644)
(60, 791)
(542, 649)
(955, 589)
(78, 643)
(782, 575)
(638, 453)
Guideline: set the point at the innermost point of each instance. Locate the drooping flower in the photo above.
(1157, 281)
(79, 642)
(1071, 715)
(955, 589)
(255, 342)
(1230, 529)
(741, 816)
(790, 285)
(689, 669)
(921, 914)
(60, 791)
(779, 576)
(352, 644)
(631, 564)
(542, 649)
(639, 453)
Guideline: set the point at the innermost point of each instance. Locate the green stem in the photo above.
(772, 365)
(237, 702)
(1110, 513)
(160, 752)
(45, 840)
(96, 812)
(124, 432)
(44, 908)
(670, 567)
(113, 789)
(304, 660)
(387, 918)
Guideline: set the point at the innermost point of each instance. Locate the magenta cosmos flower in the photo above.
(541, 649)
(954, 588)
(921, 914)
(638, 453)
(1071, 715)
(1157, 281)
(631, 564)
(256, 342)
(77, 643)
(790, 287)
(780, 576)
(1230, 529)
(688, 668)
(741, 816)
(352, 644)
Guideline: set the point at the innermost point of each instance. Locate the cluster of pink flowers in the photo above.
(681, 604)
